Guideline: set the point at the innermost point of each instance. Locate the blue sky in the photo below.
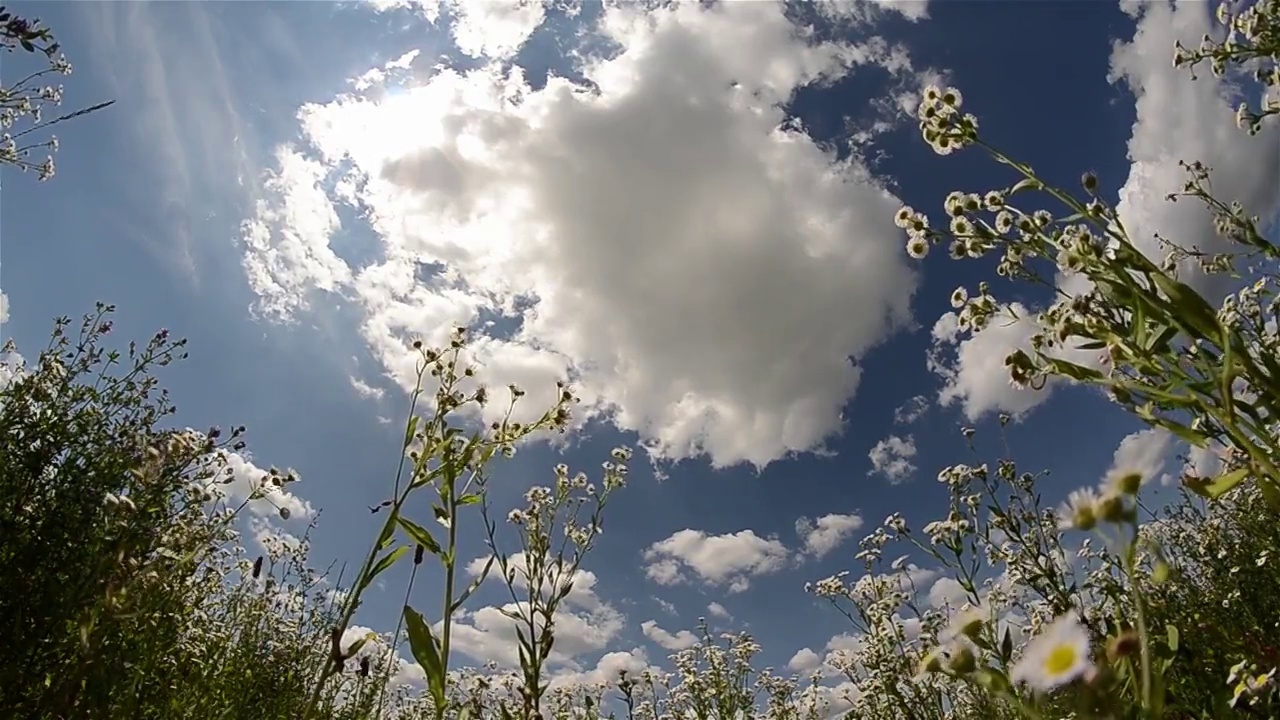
(612, 188)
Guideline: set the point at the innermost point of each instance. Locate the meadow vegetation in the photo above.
(129, 592)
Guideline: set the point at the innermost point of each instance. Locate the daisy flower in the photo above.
(1056, 657)
(966, 623)
(1079, 512)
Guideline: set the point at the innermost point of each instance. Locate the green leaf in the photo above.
(387, 561)
(409, 430)
(442, 515)
(420, 535)
(1159, 341)
(1026, 184)
(1171, 633)
(1139, 325)
(1196, 439)
(469, 499)
(1190, 306)
(355, 646)
(1074, 371)
(992, 680)
(1160, 573)
(1222, 484)
(422, 643)
(474, 584)
(388, 533)
(1270, 493)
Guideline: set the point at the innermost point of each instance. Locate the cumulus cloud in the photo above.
(846, 10)
(287, 241)
(607, 669)
(238, 480)
(1180, 119)
(495, 30)
(663, 234)
(1176, 119)
(891, 457)
(4, 308)
(1204, 462)
(584, 622)
(13, 367)
(274, 540)
(1145, 452)
(946, 591)
(488, 634)
(823, 535)
(972, 365)
(805, 660)
(581, 594)
(677, 641)
(718, 610)
(731, 559)
(375, 648)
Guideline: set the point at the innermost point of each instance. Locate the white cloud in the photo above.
(827, 532)
(13, 367)
(238, 480)
(1176, 119)
(554, 576)
(1180, 119)
(973, 368)
(4, 308)
(666, 605)
(911, 410)
(1144, 452)
(1205, 462)
(376, 77)
(186, 130)
(407, 673)
(718, 610)
(863, 10)
(274, 540)
(487, 634)
(730, 559)
(679, 641)
(891, 457)
(365, 390)
(495, 29)
(607, 669)
(584, 622)
(975, 374)
(287, 241)
(560, 206)
(805, 660)
(946, 591)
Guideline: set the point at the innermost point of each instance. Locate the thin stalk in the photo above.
(395, 641)
(350, 603)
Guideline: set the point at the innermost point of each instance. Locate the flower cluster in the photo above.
(1253, 38)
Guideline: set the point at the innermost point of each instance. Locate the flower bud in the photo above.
(1123, 645)
(961, 660)
(1110, 508)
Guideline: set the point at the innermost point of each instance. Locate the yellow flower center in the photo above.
(1059, 660)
